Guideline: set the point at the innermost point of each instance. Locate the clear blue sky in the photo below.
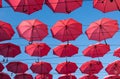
(85, 15)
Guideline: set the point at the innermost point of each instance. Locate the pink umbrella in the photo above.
(67, 76)
(44, 76)
(117, 52)
(89, 77)
(112, 77)
(23, 76)
(1, 67)
(4, 75)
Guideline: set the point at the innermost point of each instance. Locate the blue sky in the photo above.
(85, 15)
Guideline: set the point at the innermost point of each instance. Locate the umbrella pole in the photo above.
(105, 42)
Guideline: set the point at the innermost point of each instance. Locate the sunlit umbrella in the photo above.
(17, 67)
(106, 5)
(113, 68)
(44, 76)
(117, 52)
(1, 67)
(91, 67)
(112, 77)
(32, 30)
(66, 67)
(66, 30)
(26, 6)
(37, 49)
(4, 75)
(6, 31)
(41, 67)
(9, 50)
(96, 50)
(63, 6)
(102, 29)
(65, 50)
(23, 76)
(67, 76)
(89, 77)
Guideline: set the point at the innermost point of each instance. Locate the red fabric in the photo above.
(96, 50)
(63, 6)
(65, 50)
(32, 30)
(66, 67)
(6, 31)
(4, 75)
(106, 5)
(17, 67)
(112, 77)
(89, 77)
(26, 6)
(67, 77)
(23, 76)
(102, 29)
(66, 30)
(91, 67)
(37, 49)
(1, 67)
(0, 3)
(41, 67)
(9, 50)
(117, 52)
(44, 76)
(113, 68)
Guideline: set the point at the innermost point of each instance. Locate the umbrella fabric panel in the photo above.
(67, 77)
(112, 77)
(4, 75)
(23, 76)
(89, 77)
(44, 76)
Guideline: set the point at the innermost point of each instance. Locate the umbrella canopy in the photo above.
(107, 5)
(37, 49)
(65, 50)
(102, 29)
(112, 77)
(9, 50)
(1, 67)
(66, 30)
(6, 31)
(32, 30)
(17, 67)
(4, 75)
(66, 67)
(113, 68)
(91, 67)
(44, 76)
(89, 77)
(23, 76)
(0, 3)
(41, 67)
(63, 6)
(117, 52)
(96, 50)
(67, 77)
(26, 6)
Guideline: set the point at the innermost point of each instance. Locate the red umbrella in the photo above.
(0, 3)
(65, 50)
(89, 77)
(6, 31)
(26, 6)
(117, 52)
(41, 67)
(107, 5)
(91, 67)
(102, 29)
(113, 68)
(67, 77)
(32, 30)
(63, 6)
(44, 76)
(112, 77)
(1, 67)
(9, 50)
(96, 50)
(66, 30)
(37, 49)
(66, 67)
(4, 75)
(17, 67)
(23, 76)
